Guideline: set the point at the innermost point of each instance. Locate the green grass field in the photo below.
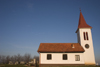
(80, 66)
(12, 66)
(49, 66)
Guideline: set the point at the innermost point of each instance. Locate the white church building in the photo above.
(81, 53)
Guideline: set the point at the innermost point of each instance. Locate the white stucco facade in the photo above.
(57, 58)
(56, 53)
(89, 57)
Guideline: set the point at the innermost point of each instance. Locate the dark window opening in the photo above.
(84, 36)
(77, 58)
(48, 56)
(64, 56)
(87, 36)
(87, 46)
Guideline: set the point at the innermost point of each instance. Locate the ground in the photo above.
(34, 66)
(15, 65)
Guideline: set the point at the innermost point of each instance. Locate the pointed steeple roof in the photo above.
(82, 22)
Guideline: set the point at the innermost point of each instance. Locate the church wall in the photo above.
(89, 52)
(78, 37)
(57, 58)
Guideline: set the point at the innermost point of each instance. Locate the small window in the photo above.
(64, 56)
(87, 35)
(48, 56)
(77, 58)
(84, 36)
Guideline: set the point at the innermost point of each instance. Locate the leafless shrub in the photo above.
(16, 58)
(27, 57)
(7, 59)
(3, 59)
(36, 57)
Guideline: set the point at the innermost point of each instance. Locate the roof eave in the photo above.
(82, 28)
(61, 51)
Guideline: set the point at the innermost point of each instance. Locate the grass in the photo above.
(73, 66)
(79, 66)
(12, 65)
(6, 65)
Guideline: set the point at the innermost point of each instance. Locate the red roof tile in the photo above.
(60, 47)
(82, 22)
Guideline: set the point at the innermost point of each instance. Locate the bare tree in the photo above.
(22, 58)
(3, 58)
(37, 58)
(7, 59)
(14, 58)
(27, 57)
(0, 59)
(18, 58)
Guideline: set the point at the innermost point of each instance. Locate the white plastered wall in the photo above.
(57, 58)
(89, 53)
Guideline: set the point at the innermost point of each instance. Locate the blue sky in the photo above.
(24, 24)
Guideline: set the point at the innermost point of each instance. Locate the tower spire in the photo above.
(82, 22)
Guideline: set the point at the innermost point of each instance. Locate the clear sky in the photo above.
(24, 24)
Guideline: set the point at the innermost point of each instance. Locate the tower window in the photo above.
(85, 34)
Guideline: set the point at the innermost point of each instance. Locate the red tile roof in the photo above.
(60, 47)
(82, 22)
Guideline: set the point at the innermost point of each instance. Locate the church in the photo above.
(62, 54)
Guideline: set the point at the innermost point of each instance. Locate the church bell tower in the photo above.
(84, 37)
